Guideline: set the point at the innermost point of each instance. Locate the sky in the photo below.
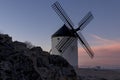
(35, 21)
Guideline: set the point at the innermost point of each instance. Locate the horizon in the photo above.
(36, 21)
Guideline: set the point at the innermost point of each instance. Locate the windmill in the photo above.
(65, 40)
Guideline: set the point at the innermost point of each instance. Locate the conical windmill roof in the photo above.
(63, 31)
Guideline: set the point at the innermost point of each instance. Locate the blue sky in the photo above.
(35, 20)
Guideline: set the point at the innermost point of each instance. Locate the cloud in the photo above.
(101, 41)
(106, 54)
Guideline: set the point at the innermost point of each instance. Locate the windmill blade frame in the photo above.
(85, 45)
(85, 20)
(63, 15)
(64, 43)
(83, 23)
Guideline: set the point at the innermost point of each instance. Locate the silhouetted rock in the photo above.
(18, 62)
(37, 49)
(4, 38)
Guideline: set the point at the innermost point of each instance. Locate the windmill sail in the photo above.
(83, 23)
(85, 45)
(64, 44)
(62, 14)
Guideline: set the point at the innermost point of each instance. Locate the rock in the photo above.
(17, 62)
(4, 38)
(58, 61)
(18, 67)
(6, 47)
(19, 46)
(36, 49)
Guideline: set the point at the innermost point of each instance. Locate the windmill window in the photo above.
(58, 38)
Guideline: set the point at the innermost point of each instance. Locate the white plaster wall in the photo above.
(70, 54)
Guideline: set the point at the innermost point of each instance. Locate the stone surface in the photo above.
(18, 62)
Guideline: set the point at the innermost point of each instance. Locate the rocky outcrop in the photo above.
(18, 62)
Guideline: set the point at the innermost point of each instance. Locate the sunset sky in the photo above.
(36, 21)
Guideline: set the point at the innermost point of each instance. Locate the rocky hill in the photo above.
(18, 62)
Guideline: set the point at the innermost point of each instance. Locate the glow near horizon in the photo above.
(35, 21)
(107, 54)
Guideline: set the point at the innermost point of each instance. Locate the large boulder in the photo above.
(18, 62)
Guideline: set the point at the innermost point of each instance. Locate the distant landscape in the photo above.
(98, 74)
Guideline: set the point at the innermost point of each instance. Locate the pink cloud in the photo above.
(101, 41)
(106, 54)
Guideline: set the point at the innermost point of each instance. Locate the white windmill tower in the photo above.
(64, 41)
